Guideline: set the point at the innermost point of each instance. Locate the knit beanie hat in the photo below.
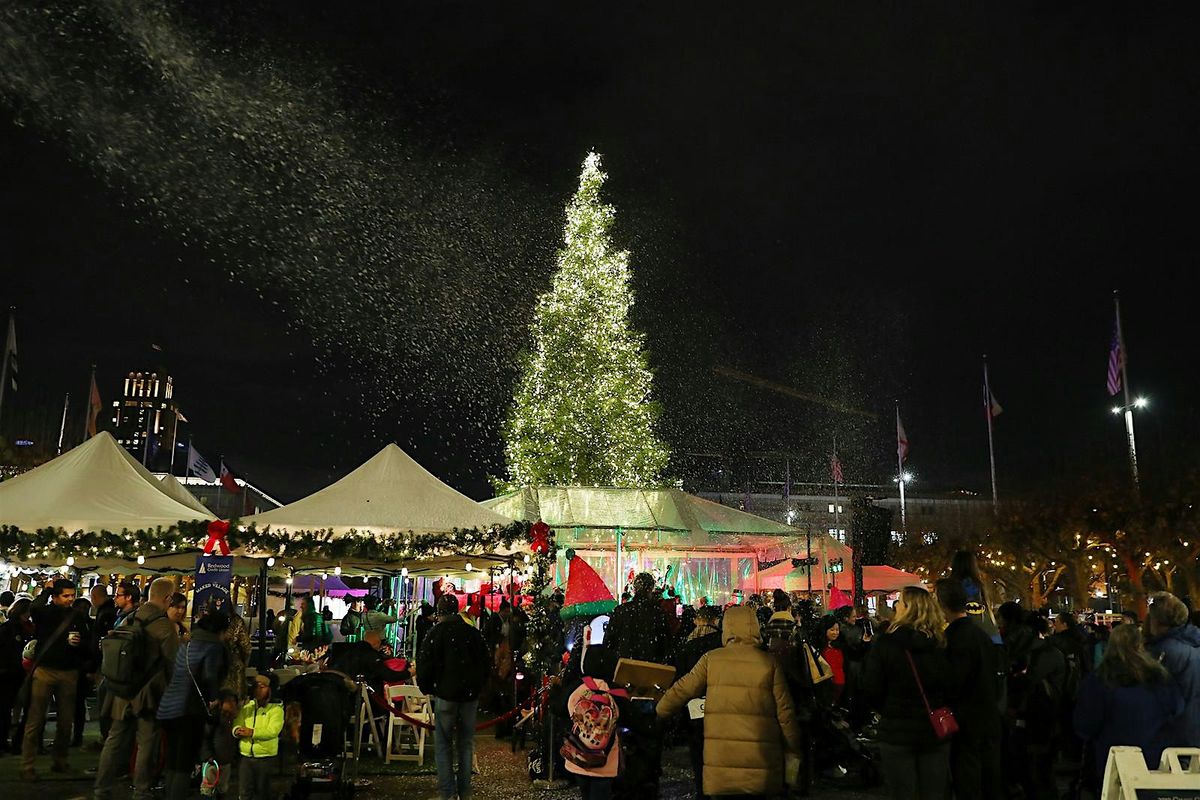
(587, 595)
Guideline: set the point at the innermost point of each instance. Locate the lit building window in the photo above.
(831, 508)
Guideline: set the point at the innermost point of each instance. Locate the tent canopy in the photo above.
(875, 578)
(390, 493)
(881, 579)
(670, 518)
(93, 487)
(177, 491)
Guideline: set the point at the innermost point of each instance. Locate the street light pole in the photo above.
(1128, 409)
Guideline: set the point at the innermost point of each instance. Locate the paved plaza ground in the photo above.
(503, 777)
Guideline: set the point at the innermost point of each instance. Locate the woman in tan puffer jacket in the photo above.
(748, 713)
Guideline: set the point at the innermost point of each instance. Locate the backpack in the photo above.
(129, 657)
(593, 725)
(350, 623)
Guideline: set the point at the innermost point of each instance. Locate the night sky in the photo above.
(856, 200)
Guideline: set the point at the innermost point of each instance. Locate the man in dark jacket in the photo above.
(638, 629)
(134, 717)
(62, 648)
(1176, 643)
(452, 668)
(974, 664)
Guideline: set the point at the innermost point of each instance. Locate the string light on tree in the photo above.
(583, 412)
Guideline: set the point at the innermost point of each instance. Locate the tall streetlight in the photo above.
(1127, 410)
(904, 477)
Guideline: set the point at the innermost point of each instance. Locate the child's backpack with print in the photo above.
(593, 725)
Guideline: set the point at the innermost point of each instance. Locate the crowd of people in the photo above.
(161, 687)
(941, 694)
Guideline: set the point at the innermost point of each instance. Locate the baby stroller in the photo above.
(839, 753)
(326, 701)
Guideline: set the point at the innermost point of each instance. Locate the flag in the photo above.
(94, 406)
(835, 465)
(1116, 361)
(901, 439)
(227, 479)
(992, 405)
(196, 465)
(10, 353)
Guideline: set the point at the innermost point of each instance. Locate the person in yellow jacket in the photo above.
(257, 727)
(749, 719)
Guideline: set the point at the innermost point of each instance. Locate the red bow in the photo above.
(217, 531)
(541, 537)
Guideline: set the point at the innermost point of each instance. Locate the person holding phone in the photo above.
(62, 647)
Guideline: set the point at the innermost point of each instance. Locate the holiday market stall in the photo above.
(93, 503)
(698, 547)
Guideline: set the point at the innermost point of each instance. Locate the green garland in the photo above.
(541, 654)
(47, 545)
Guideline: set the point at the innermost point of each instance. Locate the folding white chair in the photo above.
(415, 705)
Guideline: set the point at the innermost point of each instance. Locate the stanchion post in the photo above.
(262, 616)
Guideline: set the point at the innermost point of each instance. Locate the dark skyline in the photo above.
(858, 202)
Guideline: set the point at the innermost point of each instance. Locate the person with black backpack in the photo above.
(135, 664)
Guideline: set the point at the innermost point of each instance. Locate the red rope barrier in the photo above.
(395, 712)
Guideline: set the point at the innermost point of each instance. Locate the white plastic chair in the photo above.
(416, 705)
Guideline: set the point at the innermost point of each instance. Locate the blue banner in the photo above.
(213, 576)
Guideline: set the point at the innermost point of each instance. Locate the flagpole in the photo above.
(175, 440)
(146, 444)
(987, 404)
(87, 417)
(12, 313)
(900, 471)
(62, 430)
(217, 511)
(837, 509)
(1133, 465)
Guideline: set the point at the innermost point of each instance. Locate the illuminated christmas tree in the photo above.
(583, 413)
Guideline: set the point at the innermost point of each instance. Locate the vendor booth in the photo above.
(695, 546)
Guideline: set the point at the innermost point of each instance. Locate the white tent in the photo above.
(390, 493)
(176, 490)
(93, 487)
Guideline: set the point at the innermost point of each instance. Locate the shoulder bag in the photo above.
(942, 718)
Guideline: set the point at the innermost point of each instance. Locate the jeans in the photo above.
(115, 756)
(61, 683)
(184, 736)
(254, 777)
(594, 788)
(916, 773)
(454, 721)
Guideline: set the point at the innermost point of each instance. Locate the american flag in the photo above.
(1116, 360)
(835, 465)
(901, 439)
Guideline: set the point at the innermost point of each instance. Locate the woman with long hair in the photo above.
(904, 662)
(827, 642)
(1129, 699)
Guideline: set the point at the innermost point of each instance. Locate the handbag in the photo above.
(818, 668)
(941, 718)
